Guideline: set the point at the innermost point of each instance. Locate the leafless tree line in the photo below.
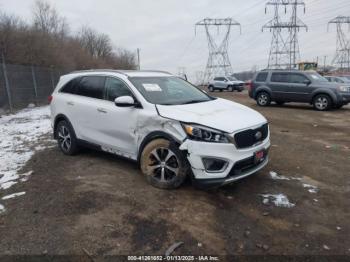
(47, 41)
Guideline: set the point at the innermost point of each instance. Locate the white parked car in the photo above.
(228, 83)
(170, 127)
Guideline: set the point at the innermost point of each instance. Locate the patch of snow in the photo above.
(2, 209)
(276, 176)
(19, 133)
(13, 195)
(279, 200)
(312, 189)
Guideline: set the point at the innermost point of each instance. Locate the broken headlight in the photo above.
(201, 133)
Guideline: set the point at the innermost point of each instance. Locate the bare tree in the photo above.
(47, 20)
(98, 45)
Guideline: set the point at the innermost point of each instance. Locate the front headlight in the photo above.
(343, 88)
(201, 133)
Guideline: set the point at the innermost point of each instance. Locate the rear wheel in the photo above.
(67, 141)
(211, 89)
(163, 164)
(280, 103)
(338, 106)
(322, 102)
(263, 99)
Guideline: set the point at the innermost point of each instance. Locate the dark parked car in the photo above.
(338, 79)
(283, 86)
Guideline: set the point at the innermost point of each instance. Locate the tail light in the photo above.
(50, 99)
(249, 85)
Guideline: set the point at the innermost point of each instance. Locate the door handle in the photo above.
(70, 103)
(101, 110)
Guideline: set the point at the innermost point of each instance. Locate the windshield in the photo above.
(232, 78)
(168, 90)
(317, 77)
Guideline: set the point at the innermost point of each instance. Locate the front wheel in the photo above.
(230, 89)
(211, 89)
(163, 164)
(322, 102)
(263, 99)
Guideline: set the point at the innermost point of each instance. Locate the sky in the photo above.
(164, 29)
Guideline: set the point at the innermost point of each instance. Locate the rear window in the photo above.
(92, 86)
(280, 77)
(261, 77)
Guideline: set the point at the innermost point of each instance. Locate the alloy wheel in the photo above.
(321, 103)
(163, 164)
(262, 99)
(64, 138)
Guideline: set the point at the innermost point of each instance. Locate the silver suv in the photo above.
(228, 83)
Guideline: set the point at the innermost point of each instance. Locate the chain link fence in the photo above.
(23, 85)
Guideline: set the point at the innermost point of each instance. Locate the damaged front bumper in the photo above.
(233, 164)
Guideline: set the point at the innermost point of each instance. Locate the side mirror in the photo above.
(307, 82)
(125, 101)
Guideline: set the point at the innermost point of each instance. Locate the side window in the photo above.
(71, 86)
(92, 86)
(216, 79)
(261, 77)
(116, 88)
(280, 77)
(297, 79)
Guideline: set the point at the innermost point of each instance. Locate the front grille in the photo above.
(250, 137)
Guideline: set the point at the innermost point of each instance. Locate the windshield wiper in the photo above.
(194, 102)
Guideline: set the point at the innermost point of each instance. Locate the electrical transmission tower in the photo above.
(218, 62)
(284, 53)
(279, 52)
(342, 56)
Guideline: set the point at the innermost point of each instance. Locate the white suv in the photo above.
(229, 83)
(170, 127)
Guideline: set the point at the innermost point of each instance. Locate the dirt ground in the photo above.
(99, 204)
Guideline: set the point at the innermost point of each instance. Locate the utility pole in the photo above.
(342, 56)
(218, 61)
(138, 59)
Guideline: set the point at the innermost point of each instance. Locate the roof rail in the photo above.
(280, 69)
(123, 72)
(97, 70)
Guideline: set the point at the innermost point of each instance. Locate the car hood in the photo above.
(220, 114)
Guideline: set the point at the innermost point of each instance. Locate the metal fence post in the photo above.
(52, 80)
(35, 85)
(7, 84)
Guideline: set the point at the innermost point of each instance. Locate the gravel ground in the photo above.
(99, 204)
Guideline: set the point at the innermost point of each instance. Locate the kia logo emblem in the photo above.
(258, 135)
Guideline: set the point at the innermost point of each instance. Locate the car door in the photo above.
(279, 85)
(117, 125)
(299, 90)
(84, 107)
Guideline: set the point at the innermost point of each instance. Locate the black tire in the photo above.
(66, 138)
(280, 103)
(322, 102)
(220, 90)
(230, 89)
(263, 99)
(239, 90)
(163, 164)
(211, 89)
